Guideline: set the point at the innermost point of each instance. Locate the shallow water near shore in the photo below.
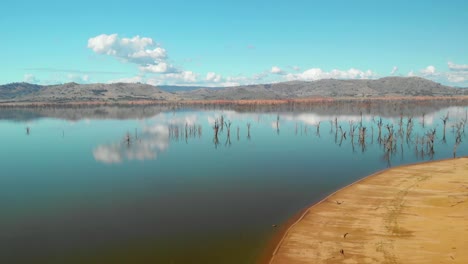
(157, 185)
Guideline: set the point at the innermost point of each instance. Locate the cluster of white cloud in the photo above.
(144, 52)
(457, 67)
(276, 70)
(429, 70)
(57, 78)
(318, 74)
(152, 60)
(139, 50)
(213, 77)
(152, 141)
(30, 78)
(458, 73)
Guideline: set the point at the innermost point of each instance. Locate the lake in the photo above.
(155, 184)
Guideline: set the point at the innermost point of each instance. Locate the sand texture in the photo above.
(409, 214)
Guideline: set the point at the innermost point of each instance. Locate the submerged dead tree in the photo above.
(379, 126)
(423, 120)
(430, 141)
(221, 121)
(317, 131)
(228, 138)
(362, 138)
(216, 130)
(444, 120)
(128, 139)
(409, 129)
(277, 124)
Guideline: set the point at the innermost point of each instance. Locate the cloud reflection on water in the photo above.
(146, 146)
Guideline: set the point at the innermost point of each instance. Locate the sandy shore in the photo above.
(409, 214)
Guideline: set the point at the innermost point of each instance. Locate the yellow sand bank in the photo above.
(410, 214)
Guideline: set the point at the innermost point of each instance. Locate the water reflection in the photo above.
(145, 146)
(211, 180)
(394, 136)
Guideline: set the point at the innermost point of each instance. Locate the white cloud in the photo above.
(179, 78)
(318, 74)
(457, 67)
(276, 70)
(213, 77)
(78, 78)
(186, 76)
(455, 75)
(161, 67)
(457, 78)
(139, 50)
(150, 143)
(394, 70)
(429, 70)
(135, 79)
(30, 78)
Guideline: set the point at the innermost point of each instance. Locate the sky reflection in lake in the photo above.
(163, 188)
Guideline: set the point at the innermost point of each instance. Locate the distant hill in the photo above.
(177, 88)
(70, 92)
(388, 86)
(18, 90)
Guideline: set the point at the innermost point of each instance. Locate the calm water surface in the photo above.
(143, 190)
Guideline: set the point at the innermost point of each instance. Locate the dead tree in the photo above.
(444, 120)
(343, 134)
(362, 138)
(317, 132)
(409, 129)
(423, 120)
(248, 131)
(351, 130)
(228, 127)
(277, 124)
(221, 121)
(430, 141)
(361, 120)
(128, 139)
(400, 125)
(379, 126)
(336, 123)
(216, 130)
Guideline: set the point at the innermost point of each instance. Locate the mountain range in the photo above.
(121, 92)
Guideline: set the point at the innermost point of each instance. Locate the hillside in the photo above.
(388, 86)
(73, 92)
(70, 92)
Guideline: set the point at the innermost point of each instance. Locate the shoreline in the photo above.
(280, 238)
(245, 102)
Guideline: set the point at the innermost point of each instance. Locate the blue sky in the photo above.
(219, 43)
